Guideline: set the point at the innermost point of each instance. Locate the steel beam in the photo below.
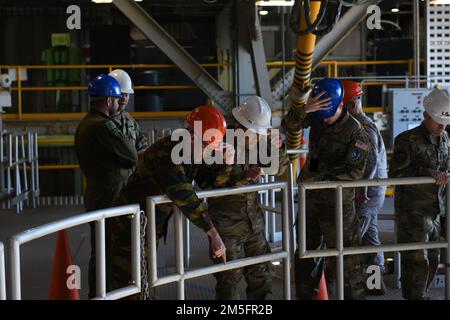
(340, 31)
(258, 55)
(164, 41)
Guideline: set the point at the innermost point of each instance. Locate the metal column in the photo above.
(100, 254)
(339, 245)
(260, 72)
(251, 70)
(416, 17)
(2, 273)
(179, 255)
(286, 244)
(447, 250)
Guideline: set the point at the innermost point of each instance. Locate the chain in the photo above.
(145, 289)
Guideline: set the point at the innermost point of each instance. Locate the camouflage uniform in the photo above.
(156, 174)
(376, 169)
(240, 222)
(105, 156)
(131, 129)
(418, 208)
(336, 152)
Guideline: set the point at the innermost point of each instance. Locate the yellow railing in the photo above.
(332, 70)
(80, 115)
(333, 65)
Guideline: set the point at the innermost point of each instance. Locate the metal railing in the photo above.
(99, 217)
(2, 273)
(19, 174)
(339, 252)
(181, 275)
(332, 71)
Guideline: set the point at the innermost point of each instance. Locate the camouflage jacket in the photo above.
(157, 174)
(416, 155)
(105, 156)
(376, 167)
(131, 129)
(336, 152)
(237, 213)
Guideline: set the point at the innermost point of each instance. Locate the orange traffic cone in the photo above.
(59, 288)
(302, 155)
(323, 292)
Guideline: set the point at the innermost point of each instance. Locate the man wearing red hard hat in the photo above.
(369, 200)
(158, 173)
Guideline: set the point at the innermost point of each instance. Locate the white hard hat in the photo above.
(254, 114)
(437, 104)
(124, 80)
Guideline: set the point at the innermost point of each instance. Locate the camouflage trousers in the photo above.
(370, 235)
(420, 266)
(258, 277)
(321, 234)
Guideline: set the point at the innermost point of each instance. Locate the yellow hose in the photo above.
(303, 65)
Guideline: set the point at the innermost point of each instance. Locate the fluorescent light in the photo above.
(440, 1)
(395, 10)
(263, 12)
(276, 263)
(275, 3)
(390, 259)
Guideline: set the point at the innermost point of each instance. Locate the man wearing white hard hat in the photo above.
(419, 209)
(130, 127)
(239, 217)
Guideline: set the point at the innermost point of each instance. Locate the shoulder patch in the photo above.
(356, 156)
(110, 125)
(361, 145)
(113, 128)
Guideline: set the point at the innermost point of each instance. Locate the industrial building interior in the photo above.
(181, 54)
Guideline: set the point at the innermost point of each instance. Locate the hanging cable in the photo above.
(336, 14)
(295, 16)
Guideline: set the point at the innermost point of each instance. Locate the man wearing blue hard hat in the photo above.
(338, 147)
(105, 154)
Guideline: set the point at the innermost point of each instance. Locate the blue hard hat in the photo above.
(104, 86)
(333, 89)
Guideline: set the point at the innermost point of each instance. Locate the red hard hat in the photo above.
(351, 89)
(211, 118)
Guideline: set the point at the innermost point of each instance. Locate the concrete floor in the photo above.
(37, 256)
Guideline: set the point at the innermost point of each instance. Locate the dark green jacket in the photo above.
(105, 156)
